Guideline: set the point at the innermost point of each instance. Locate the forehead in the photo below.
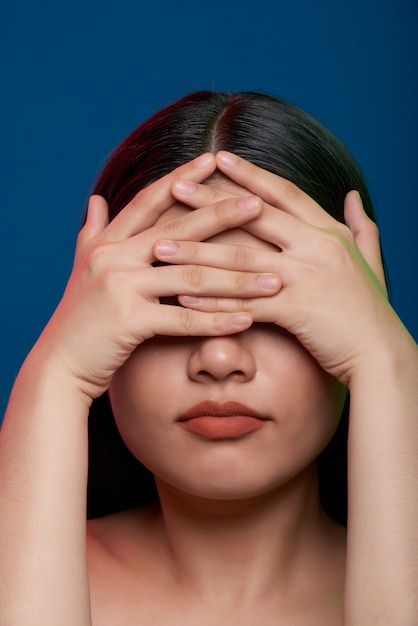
(236, 236)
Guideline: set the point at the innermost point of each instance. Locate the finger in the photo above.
(152, 201)
(137, 251)
(273, 226)
(179, 321)
(198, 280)
(97, 215)
(365, 232)
(275, 190)
(229, 256)
(261, 309)
(197, 195)
(96, 222)
(280, 228)
(201, 224)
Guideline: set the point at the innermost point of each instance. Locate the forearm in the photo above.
(382, 567)
(43, 470)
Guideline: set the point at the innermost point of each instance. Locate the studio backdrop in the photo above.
(78, 76)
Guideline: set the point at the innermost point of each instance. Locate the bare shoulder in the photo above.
(132, 580)
(132, 522)
(124, 538)
(122, 560)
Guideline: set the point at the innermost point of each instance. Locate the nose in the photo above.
(221, 358)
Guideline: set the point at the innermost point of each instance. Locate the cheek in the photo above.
(146, 376)
(134, 390)
(317, 415)
(308, 399)
(304, 401)
(142, 394)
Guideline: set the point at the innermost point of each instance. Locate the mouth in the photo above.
(225, 420)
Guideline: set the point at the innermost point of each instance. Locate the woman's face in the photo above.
(226, 417)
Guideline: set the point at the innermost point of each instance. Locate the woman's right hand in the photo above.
(111, 303)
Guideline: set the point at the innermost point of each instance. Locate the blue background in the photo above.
(78, 76)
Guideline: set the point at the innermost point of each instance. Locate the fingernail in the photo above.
(240, 320)
(227, 159)
(189, 299)
(203, 160)
(248, 203)
(166, 248)
(267, 281)
(185, 186)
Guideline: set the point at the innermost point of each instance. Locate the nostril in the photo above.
(221, 358)
(207, 374)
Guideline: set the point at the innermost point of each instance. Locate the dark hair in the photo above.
(272, 134)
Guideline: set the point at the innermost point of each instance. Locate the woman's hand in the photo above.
(112, 301)
(332, 295)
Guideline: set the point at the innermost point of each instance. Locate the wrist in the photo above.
(389, 360)
(47, 378)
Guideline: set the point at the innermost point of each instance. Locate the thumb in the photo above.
(97, 215)
(96, 221)
(366, 234)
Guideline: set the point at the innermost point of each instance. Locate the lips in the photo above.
(226, 420)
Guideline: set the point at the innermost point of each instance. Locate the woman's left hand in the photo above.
(332, 298)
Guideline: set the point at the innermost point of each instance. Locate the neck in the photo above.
(246, 547)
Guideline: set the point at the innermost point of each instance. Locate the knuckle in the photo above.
(186, 319)
(192, 250)
(336, 244)
(217, 323)
(192, 274)
(174, 228)
(289, 189)
(114, 280)
(97, 259)
(245, 304)
(219, 210)
(240, 256)
(117, 295)
(241, 280)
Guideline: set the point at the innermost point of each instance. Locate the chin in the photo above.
(238, 486)
(229, 491)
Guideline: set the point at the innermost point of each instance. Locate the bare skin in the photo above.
(223, 558)
(133, 565)
(239, 536)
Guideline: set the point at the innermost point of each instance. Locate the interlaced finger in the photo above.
(200, 225)
(226, 256)
(179, 321)
(198, 280)
(152, 201)
(262, 310)
(275, 190)
(274, 225)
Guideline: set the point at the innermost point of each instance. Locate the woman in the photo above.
(228, 399)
